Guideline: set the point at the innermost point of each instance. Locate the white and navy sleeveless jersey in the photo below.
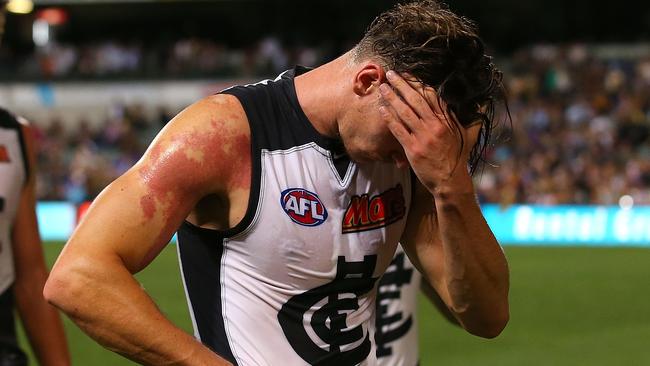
(294, 282)
(13, 176)
(396, 323)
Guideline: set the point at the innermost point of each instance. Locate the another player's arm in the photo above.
(447, 237)
(41, 320)
(129, 224)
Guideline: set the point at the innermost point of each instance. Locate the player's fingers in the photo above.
(396, 127)
(402, 110)
(410, 95)
(438, 110)
(443, 113)
(437, 105)
(435, 111)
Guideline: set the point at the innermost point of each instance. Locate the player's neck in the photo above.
(319, 92)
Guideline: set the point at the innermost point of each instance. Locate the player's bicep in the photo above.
(126, 222)
(136, 215)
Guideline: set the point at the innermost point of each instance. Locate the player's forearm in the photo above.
(437, 302)
(41, 320)
(476, 271)
(110, 306)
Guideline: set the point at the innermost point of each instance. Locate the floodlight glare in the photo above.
(20, 6)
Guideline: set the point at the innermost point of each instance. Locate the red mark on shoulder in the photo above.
(192, 163)
(148, 205)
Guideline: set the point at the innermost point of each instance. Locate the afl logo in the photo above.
(303, 207)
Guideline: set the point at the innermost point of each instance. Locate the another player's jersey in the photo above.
(13, 175)
(396, 324)
(293, 283)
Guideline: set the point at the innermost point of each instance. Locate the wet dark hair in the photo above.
(442, 50)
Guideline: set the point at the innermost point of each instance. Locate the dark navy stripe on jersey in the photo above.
(200, 251)
(9, 121)
(274, 113)
(278, 122)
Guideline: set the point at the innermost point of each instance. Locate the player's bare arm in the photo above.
(40, 319)
(447, 236)
(203, 152)
(437, 302)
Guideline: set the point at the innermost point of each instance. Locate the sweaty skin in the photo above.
(148, 205)
(187, 153)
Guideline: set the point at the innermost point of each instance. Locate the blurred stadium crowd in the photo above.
(185, 57)
(581, 122)
(580, 118)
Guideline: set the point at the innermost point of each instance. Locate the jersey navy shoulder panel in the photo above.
(276, 119)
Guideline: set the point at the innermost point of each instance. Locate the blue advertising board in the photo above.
(569, 225)
(513, 225)
(56, 220)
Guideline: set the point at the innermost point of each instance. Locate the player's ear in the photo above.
(368, 78)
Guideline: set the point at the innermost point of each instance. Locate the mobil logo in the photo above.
(303, 207)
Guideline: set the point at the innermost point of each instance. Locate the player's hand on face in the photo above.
(431, 138)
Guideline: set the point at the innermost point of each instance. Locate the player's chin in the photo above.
(369, 156)
(384, 157)
(374, 153)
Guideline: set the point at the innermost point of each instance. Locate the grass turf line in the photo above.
(569, 306)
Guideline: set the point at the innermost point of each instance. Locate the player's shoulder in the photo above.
(202, 146)
(219, 112)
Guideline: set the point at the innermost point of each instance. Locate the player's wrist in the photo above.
(457, 185)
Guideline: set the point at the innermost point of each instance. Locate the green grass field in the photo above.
(569, 306)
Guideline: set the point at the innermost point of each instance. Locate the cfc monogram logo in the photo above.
(328, 323)
(367, 213)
